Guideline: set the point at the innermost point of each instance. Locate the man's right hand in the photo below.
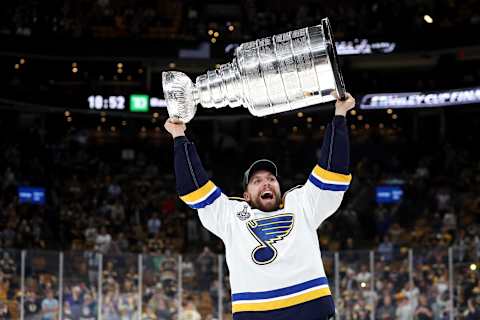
(175, 127)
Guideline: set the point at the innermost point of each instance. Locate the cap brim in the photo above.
(262, 164)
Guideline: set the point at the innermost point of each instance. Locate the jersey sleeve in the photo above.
(197, 191)
(323, 192)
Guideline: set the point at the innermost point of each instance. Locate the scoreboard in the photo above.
(132, 103)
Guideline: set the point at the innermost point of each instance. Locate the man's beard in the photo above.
(258, 203)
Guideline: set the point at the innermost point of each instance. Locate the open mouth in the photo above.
(266, 195)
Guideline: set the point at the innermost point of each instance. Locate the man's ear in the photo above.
(246, 196)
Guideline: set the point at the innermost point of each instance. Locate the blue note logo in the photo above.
(268, 231)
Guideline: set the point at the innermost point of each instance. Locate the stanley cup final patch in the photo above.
(244, 214)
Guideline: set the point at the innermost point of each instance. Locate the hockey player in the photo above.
(271, 243)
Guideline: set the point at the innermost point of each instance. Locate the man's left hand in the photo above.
(342, 106)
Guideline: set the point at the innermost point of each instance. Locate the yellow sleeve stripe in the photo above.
(199, 194)
(333, 177)
(278, 304)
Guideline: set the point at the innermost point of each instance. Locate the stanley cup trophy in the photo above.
(285, 72)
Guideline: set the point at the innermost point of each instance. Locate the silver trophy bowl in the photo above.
(284, 72)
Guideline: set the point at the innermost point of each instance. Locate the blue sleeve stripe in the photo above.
(279, 292)
(327, 186)
(208, 201)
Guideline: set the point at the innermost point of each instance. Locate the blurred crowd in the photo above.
(114, 293)
(188, 19)
(119, 200)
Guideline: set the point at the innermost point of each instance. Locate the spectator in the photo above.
(32, 304)
(386, 310)
(473, 310)
(385, 249)
(103, 241)
(49, 307)
(404, 309)
(189, 311)
(154, 224)
(4, 311)
(423, 312)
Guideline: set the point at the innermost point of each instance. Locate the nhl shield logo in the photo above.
(244, 214)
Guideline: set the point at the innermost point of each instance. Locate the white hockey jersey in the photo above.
(274, 257)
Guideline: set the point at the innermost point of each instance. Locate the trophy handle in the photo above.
(332, 55)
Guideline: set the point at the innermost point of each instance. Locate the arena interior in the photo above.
(91, 226)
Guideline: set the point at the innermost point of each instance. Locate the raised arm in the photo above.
(322, 194)
(193, 184)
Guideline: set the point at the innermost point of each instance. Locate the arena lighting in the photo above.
(473, 267)
(22, 61)
(119, 65)
(427, 18)
(231, 28)
(309, 119)
(216, 34)
(404, 100)
(210, 32)
(359, 117)
(353, 112)
(124, 123)
(363, 285)
(275, 121)
(213, 40)
(17, 66)
(67, 113)
(300, 114)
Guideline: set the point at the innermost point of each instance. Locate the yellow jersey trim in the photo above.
(283, 303)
